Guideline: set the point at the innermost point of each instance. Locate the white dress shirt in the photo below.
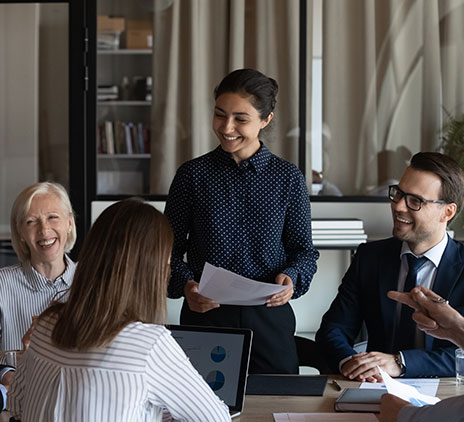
(142, 372)
(25, 293)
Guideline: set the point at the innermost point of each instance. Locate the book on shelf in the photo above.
(146, 140)
(337, 223)
(119, 138)
(109, 137)
(340, 236)
(140, 137)
(128, 137)
(359, 400)
(338, 242)
(135, 139)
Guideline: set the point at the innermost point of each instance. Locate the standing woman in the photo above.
(242, 208)
(102, 355)
(42, 232)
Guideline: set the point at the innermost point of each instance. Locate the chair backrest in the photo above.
(310, 355)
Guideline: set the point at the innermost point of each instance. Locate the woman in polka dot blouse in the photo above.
(244, 209)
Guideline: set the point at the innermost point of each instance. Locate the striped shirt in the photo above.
(142, 372)
(25, 293)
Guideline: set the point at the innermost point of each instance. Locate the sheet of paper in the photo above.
(427, 386)
(406, 392)
(228, 288)
(325, 417)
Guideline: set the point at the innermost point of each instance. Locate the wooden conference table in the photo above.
(261, 408)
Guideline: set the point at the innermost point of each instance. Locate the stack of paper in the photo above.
(338, 232)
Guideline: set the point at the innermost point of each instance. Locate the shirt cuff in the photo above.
(292, 273)
(3, 392)
(403, 361)
(342, 362)
(4, 371)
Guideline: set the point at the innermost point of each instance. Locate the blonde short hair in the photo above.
(21, 207)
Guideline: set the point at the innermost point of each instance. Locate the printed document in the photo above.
(406, 392)
(428, 386)
(228, 288)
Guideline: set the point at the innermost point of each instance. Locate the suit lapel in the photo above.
(448, 273)
(389, 267)
(449, 270)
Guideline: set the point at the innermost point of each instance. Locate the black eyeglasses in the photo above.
(413, 202)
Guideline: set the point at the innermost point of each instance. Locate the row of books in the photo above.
(123, 138)
(338, 232)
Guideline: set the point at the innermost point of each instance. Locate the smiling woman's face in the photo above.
(237, 124)
(45, 229)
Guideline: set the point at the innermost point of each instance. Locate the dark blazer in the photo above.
(362, 296)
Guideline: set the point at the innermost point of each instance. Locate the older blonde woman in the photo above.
(42, 231)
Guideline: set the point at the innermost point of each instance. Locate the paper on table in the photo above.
(428, 386)
(325, 417)
(406, 392)
(228, 288)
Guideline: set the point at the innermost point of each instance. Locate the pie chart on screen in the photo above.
(215, 380)
(218, 354)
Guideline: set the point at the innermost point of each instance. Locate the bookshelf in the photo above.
(123, 105)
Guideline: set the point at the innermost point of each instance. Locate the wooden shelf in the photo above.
(124, 103)
(125, 51)
(124, 156)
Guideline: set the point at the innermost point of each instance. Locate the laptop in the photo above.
(221, 356)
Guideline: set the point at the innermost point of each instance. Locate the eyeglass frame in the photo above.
(405, 196)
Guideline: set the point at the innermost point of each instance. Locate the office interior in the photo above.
(363, 86)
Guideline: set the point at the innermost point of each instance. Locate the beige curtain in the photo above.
(389, 68)
(196, 43)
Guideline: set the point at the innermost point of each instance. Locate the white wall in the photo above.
(331, 265)
(18, 104)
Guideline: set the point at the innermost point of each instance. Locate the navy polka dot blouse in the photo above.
(253, 219)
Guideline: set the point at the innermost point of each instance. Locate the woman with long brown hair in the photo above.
(102, 355)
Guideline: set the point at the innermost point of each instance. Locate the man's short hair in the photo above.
(449, 172)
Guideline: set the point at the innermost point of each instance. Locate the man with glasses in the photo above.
(429, 195)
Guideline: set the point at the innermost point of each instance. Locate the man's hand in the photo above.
(390, 405)
(283, 297)
(433, 315)
(363, 366)
(196, 301)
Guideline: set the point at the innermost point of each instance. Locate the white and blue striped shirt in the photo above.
(25, 293)
(142, 372)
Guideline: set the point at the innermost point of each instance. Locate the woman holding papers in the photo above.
(103, 355)
(243, 209)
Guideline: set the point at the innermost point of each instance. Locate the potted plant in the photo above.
(452, 144)
(452, 137)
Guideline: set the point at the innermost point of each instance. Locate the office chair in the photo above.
(310, 355)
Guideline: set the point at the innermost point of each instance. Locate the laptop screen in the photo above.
(221, 356)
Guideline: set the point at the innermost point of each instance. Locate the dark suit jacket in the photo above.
(362, 296)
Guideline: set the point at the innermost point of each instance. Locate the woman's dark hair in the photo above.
(250, 83)
(448, 170)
